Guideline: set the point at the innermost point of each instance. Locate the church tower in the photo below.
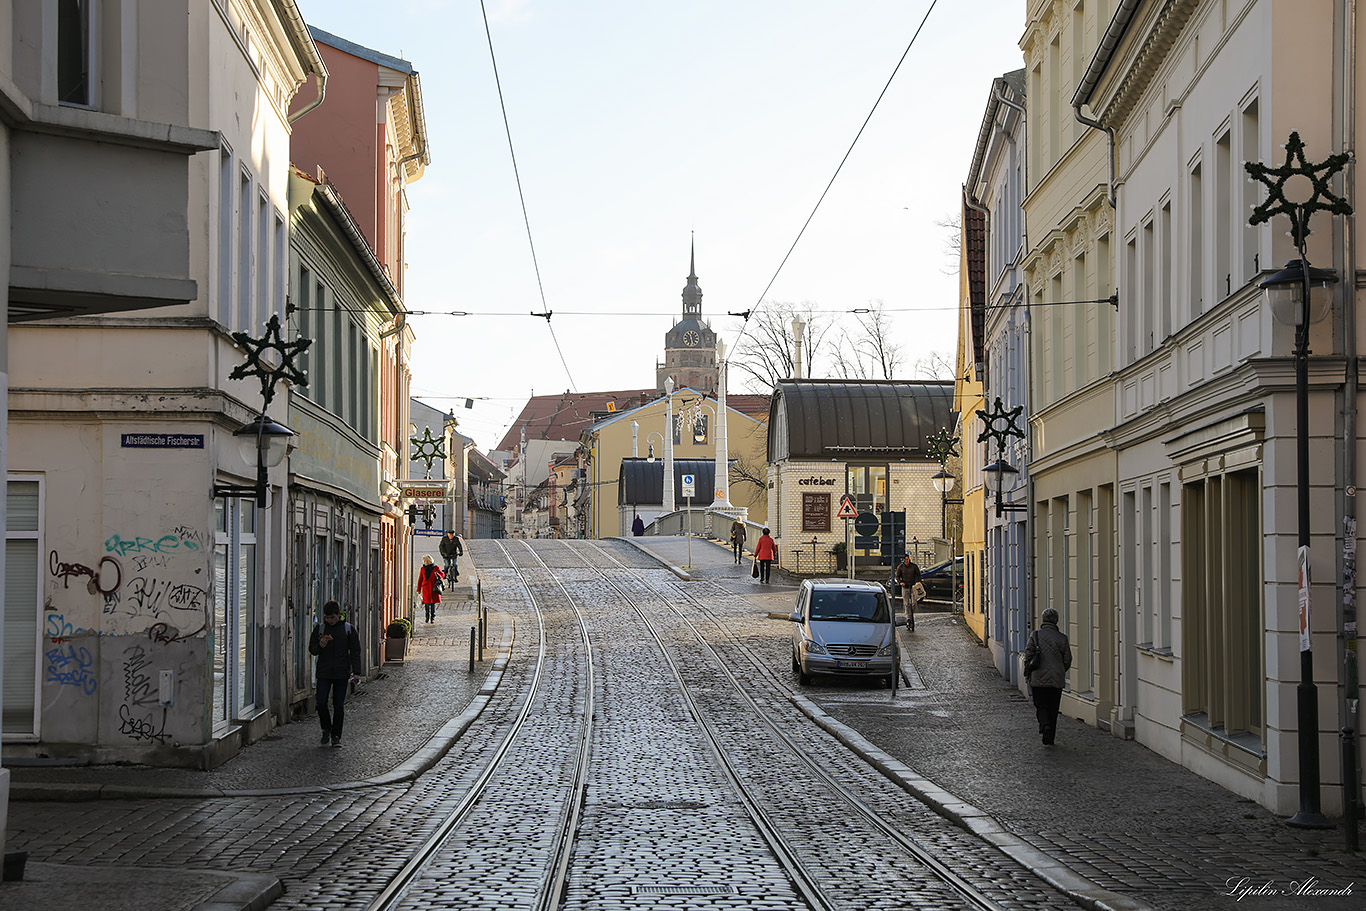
(690, 346)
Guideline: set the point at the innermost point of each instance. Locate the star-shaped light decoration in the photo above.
(255, 366)
(1322, 199)
(427, 448)
(1008, 421)
(941, 446)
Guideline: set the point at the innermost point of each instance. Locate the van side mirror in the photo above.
(795, 616)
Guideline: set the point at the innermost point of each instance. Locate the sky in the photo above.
(641, 126)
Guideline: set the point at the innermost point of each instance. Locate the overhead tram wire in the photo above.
(522, 197)
(759, 303)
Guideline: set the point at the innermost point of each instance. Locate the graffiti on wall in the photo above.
(72, 665)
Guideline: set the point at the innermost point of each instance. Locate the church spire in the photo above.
(692, 292)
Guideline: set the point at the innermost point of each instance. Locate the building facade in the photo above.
(174, 129)
(996, 182)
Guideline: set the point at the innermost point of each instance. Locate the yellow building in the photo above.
(640, 431)
(967, 396)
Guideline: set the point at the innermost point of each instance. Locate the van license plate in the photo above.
(852, 664)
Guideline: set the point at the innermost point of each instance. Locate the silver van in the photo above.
(843, 627)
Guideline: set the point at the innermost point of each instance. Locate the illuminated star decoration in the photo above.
(1322, 200)
(941, 446)
(1007, 419)
(427, 448)
(255, 366)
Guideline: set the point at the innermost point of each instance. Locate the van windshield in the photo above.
(860, 607)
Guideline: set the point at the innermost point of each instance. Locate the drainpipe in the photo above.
(1346, 120)
(1114, 33)
(1110, 141)
(293, 21)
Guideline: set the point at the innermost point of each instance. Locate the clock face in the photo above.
(691, 338)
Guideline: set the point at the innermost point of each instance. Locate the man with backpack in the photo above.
(337, 647)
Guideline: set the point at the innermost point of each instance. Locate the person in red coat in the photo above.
(765, 552)
(428, 581)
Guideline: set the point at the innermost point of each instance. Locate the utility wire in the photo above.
(744, 328)
(516, 174)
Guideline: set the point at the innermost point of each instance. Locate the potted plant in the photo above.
(396, 637)
(840, 550)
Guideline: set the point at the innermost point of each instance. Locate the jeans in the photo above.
(1046, 700)
(332, 721)
(739, 547)
(431, 611)
(451, 570)
(765, 567)
(908, 598)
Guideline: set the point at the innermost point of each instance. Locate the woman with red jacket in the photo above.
(765, 552)
(427, 579)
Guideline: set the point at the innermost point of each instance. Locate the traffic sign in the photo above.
(866, 524)
(847, 510)
(689, 485)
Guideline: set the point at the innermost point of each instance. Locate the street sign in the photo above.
(432, 532)
(847, 510)
(866, 524)
(425, 491)
(689, 485)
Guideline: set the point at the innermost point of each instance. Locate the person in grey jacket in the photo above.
(1048, 655)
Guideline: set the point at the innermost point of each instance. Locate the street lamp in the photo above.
(943, 482)
(669, 445)
(1297, 296)
(651, 457)
(264, 438)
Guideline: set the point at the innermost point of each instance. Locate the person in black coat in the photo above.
(1047, 658)
(337, 647)
(451, 548)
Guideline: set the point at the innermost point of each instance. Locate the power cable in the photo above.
(522, 197)
(744, 328)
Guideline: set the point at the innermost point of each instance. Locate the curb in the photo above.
(676, 570)
(415, 765)
(971, 819)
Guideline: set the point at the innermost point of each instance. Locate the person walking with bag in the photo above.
(429, 586)
(737, 540)
(765, 552)
(337, 647)
(908, 577)
(1048, 655)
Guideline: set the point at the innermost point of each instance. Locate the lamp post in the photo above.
(448, 425)
(669, 445)
(943, 482)
(1298, 295)
(264, 438)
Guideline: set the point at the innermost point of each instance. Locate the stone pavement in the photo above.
(397, 726)
(1108, 820)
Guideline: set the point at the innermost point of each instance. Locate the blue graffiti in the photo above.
(70, 666)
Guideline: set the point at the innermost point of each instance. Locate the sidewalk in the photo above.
(398, 725)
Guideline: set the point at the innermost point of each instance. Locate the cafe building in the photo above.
(869, 440)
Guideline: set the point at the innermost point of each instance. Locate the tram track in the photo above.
(555, 870)
(971, 896)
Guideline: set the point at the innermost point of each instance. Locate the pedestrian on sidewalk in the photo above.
(737, 540)
(337, 647)
(1048, 655)
(429, 586)
(451, 548)
(765, 552)
(908, 577)
(637, 526)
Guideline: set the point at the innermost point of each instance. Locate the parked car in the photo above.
(842, 627)
(943, 581)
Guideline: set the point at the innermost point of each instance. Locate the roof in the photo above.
(975, 246)
(755, 405)
(641, 481)
(358, 50)
(849, 419)
(565, 416)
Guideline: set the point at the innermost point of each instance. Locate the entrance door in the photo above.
(235, 609)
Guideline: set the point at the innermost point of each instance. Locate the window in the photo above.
(1148, 316)
(1164, 274)
(305, 320)
(1252, 151)
(1132, 326)
(1221, 599)
(1104, 288)
(225, 235)
(23, 608)
(281, 269)
(1223, 217)
(235, 612)
(244, 253)
(1197, 242)
(263, 302)
(74, 52)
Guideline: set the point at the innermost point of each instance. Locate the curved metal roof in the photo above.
(849, 420)
(641, 482)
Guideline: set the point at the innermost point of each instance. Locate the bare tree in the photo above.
(743, 471)
(937, 365)
(866, 352)
(953, 242)
(763, 354)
